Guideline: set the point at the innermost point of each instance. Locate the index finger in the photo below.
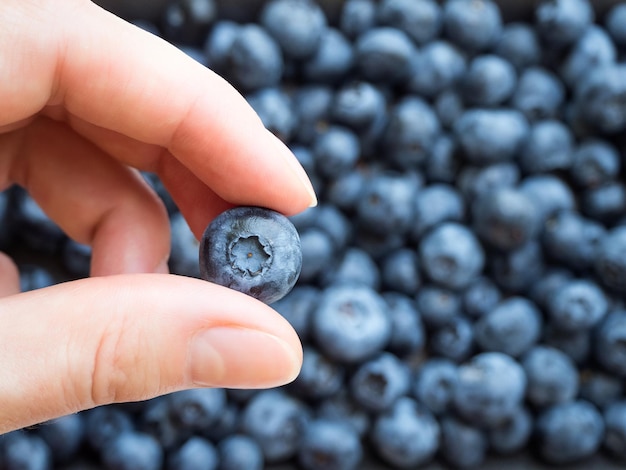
(118, 77)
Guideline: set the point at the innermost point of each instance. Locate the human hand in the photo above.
(87, 100)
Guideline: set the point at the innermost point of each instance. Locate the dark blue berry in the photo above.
(132, 450)
(421, 20)
(319, 377)
(274, 107)
(357, 16)
(463, 445)
(480, 297)
(615, 429)
(513, 434)
(435, 204)
(454, 339)
(438, 66)
(336, 150)
(615, 22)
(610, 343)
(384, 54)
(561, 22)
(437, 305)
(489, 81)
(549, 147)
(592, 50)
(519, 44)
(473, 26)
(595, 162)
(238, 451)
(330, 445)
(298, 307)
(196, 453)
(333, 59)
(407, 329)
(252, 250)
(539, 94)
(434, 384)
(20, 450)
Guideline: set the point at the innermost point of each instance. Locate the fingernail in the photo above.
(291, 160)
(241, 358)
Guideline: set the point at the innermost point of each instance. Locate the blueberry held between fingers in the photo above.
(252, 250)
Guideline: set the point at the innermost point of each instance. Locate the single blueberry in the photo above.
(196, 453)
(333, 59)
(615, 23)
(341, 407)
(296, 25)
(156, 420)
(592, 50)
(561, 22)
(132, 450)
(298, 307)
(451, 255)
(187, 21)
(252, 250)
(473, 26)
(312, 105)
(434, 384)
(549, 147)
(379, 382)
(196, 409)
(463, 445)
(184, 248)
(384, 54)
(449, 106)
(227, 423)
(407, 330)
(422, 20)
(505, 218)
(238, 451)
(552, 376)
(104, 423)
(578, 305)
(610, 343)
(351, 323)
(600, 388)
(610, 262)
(519, 44)
(400, 271)
(438, 66)
(336, 151)
(605, 203)
(476, 181)
(356, 17)
(354, 266)
(513, 434)
(22, 450)
(615, 429)
(34, 276)
(595, 162)
(512, 327)
(577, 345)
(318, 252)
(453, 340)
(435, 204)
(548, 193)
(481, 297)
(489, 81)
(319, 377)
(64, 436)
(330, 445)
(437, 305)
(490, 387)
(517, 270)
(359, 105)
(277, 112)
(569, 432)
(218, 43)
(277, 421)
(407, 435)
(539, 94)
(491, 135)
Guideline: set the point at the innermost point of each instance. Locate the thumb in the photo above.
(132, 337)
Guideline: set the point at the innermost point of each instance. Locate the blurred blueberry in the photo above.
(407, 435)
(226, 424)
(21, 450)
(610, 262)
(334, 58)
(336, 151)
(512, 327)
(571, 239)
(561, 22)
(515, 271)
(319, 377)
(341, 407)
(610, 343)
(274, 107)
(549, 147)
(407, 332)
(513, 434)
(238, 451)
(519, 44)
(298, 307)
(34, 276)
(218, 43)
(317, 252)
(606, 202)
(577, 345)
(490, 387)
(188, 21)
(358, 105)
(552, 376)
(577, 305)
(539, 94)
(400, 271)
(489, 81)
(254, 59)
(184, 248)
(353, 266)
(379, 382)
(449, 106)
(477, 181)
(615, 23)
(442, 164)
(543, 288)
(437, 305)
(64, 436)
(434, 384)
(196, 453)
(615, 429)
(453, 340)
(344, 191)
(592, 50)
(330, 445)
(569, 432)
(599, 97)
(76, 258)
(296, 25)
(505, 218)
(312, 105)
(351, 323)
(104, 423)
(421, 20)
(600, 388)
(156, 420)
(473, 26)
(196, 409)
(438, 66)
(548, 193)
(491, 135)
(595, 162)
(436, 204)
(277, 421)
(356, 17)
(384, 54)
(386, 203)
(132, 450)
(463, 445)
(480, 297)
(451, 255)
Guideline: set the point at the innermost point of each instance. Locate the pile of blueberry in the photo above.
(463, 277)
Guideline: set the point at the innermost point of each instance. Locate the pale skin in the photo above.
(86, 100)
